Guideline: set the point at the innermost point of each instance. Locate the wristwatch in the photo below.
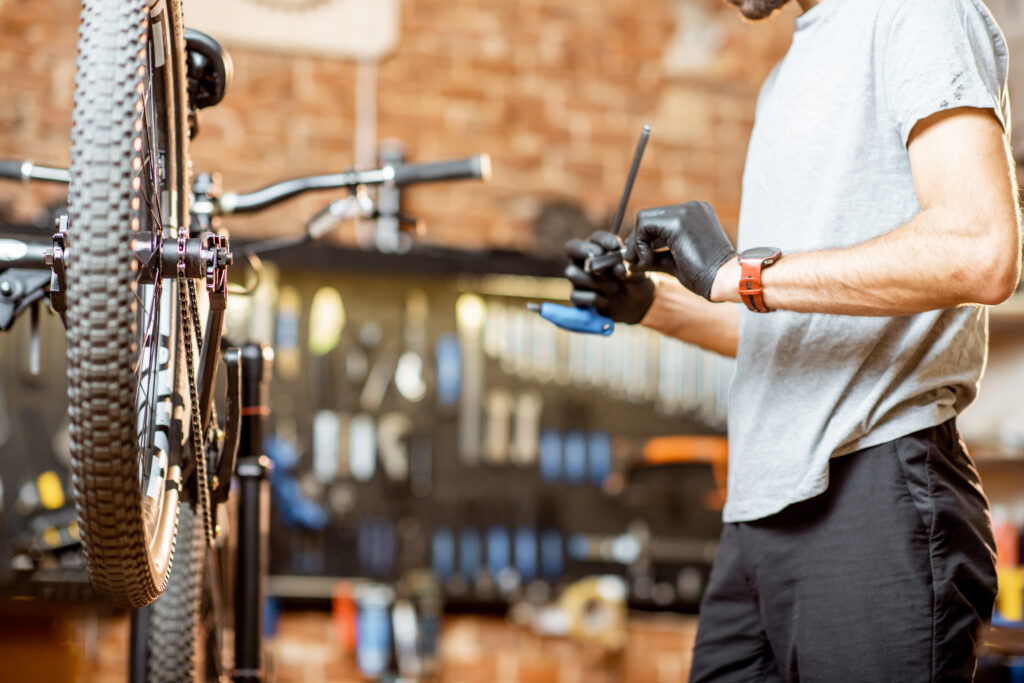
(752, 262)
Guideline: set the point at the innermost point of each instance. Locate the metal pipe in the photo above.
(231, 202)
(15, 253)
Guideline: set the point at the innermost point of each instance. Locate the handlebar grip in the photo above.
(13, 169)
(456, 169)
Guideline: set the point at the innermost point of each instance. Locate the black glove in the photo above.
(697, 245)
(614, 293)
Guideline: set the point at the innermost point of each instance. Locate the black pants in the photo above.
(887, 576)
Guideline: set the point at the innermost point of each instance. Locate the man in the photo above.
(857, 543)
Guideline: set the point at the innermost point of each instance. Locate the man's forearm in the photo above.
(936, 261)
(963, 247)
(679, 313)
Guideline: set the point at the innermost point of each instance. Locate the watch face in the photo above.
(761, 253)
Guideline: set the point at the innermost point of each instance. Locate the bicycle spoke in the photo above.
(148, 116)
(147, 365)
(149, 350)
(148, 326)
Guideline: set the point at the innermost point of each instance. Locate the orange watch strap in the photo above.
(750, 288)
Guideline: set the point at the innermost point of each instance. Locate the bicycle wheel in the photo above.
(175, 647)
(128, 192)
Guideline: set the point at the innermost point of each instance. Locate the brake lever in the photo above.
(359, 204)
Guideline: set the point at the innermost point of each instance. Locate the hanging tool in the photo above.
(587, 319)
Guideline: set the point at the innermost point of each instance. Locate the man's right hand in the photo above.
(697, 246)
(615, 293)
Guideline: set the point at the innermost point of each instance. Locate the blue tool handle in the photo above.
(575, 319)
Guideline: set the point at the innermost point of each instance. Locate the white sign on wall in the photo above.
(360, 29)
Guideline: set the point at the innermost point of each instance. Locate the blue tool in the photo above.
(449, 369)
(498, 551)
(575, 454)
(293, 507)
(578, 547)
(373, 631)
(599, 454)
(587, 319)
(443, 553)
(470, 552)
(550, 456)
(574, 319)
(551, 554)
(526, 553)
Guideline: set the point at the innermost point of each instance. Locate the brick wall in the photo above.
(555, 90)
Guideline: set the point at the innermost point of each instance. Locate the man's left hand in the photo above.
(697, 244)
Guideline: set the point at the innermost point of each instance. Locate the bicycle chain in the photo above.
(193, 300)
(189, 317)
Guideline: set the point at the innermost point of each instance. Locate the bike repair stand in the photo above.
(252, 469)
(253, 522)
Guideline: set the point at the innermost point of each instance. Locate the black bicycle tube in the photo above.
(251, 470)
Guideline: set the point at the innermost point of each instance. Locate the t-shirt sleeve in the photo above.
(943, 54)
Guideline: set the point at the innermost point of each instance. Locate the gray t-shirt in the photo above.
(828, 167)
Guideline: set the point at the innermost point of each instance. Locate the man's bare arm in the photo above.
(964, 246)
(678, 312)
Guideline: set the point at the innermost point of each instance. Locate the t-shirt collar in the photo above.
(816, 13)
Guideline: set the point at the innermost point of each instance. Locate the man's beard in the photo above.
(757, 9)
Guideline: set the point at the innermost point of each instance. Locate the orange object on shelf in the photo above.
(1007, 542)
(343, 614)
(693, 448)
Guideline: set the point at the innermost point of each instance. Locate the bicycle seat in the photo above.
(209, 69)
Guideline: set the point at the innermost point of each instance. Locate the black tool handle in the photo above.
(630, 179)
(11, 168)
(478, 166)
(595, 264)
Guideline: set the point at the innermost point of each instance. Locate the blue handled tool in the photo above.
(574, 319)
(587, 319)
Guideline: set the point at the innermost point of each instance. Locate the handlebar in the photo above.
(17, 253)
(476, 167)
(458, 169)
(25, 170)
(403, 174)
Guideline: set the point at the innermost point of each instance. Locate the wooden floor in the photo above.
(488, 649)
(84, 646)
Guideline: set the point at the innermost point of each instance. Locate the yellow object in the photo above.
(1010, 600)
(51, 492)
(596, 610)
(326, 321)
(470, 312)
(52, 537)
